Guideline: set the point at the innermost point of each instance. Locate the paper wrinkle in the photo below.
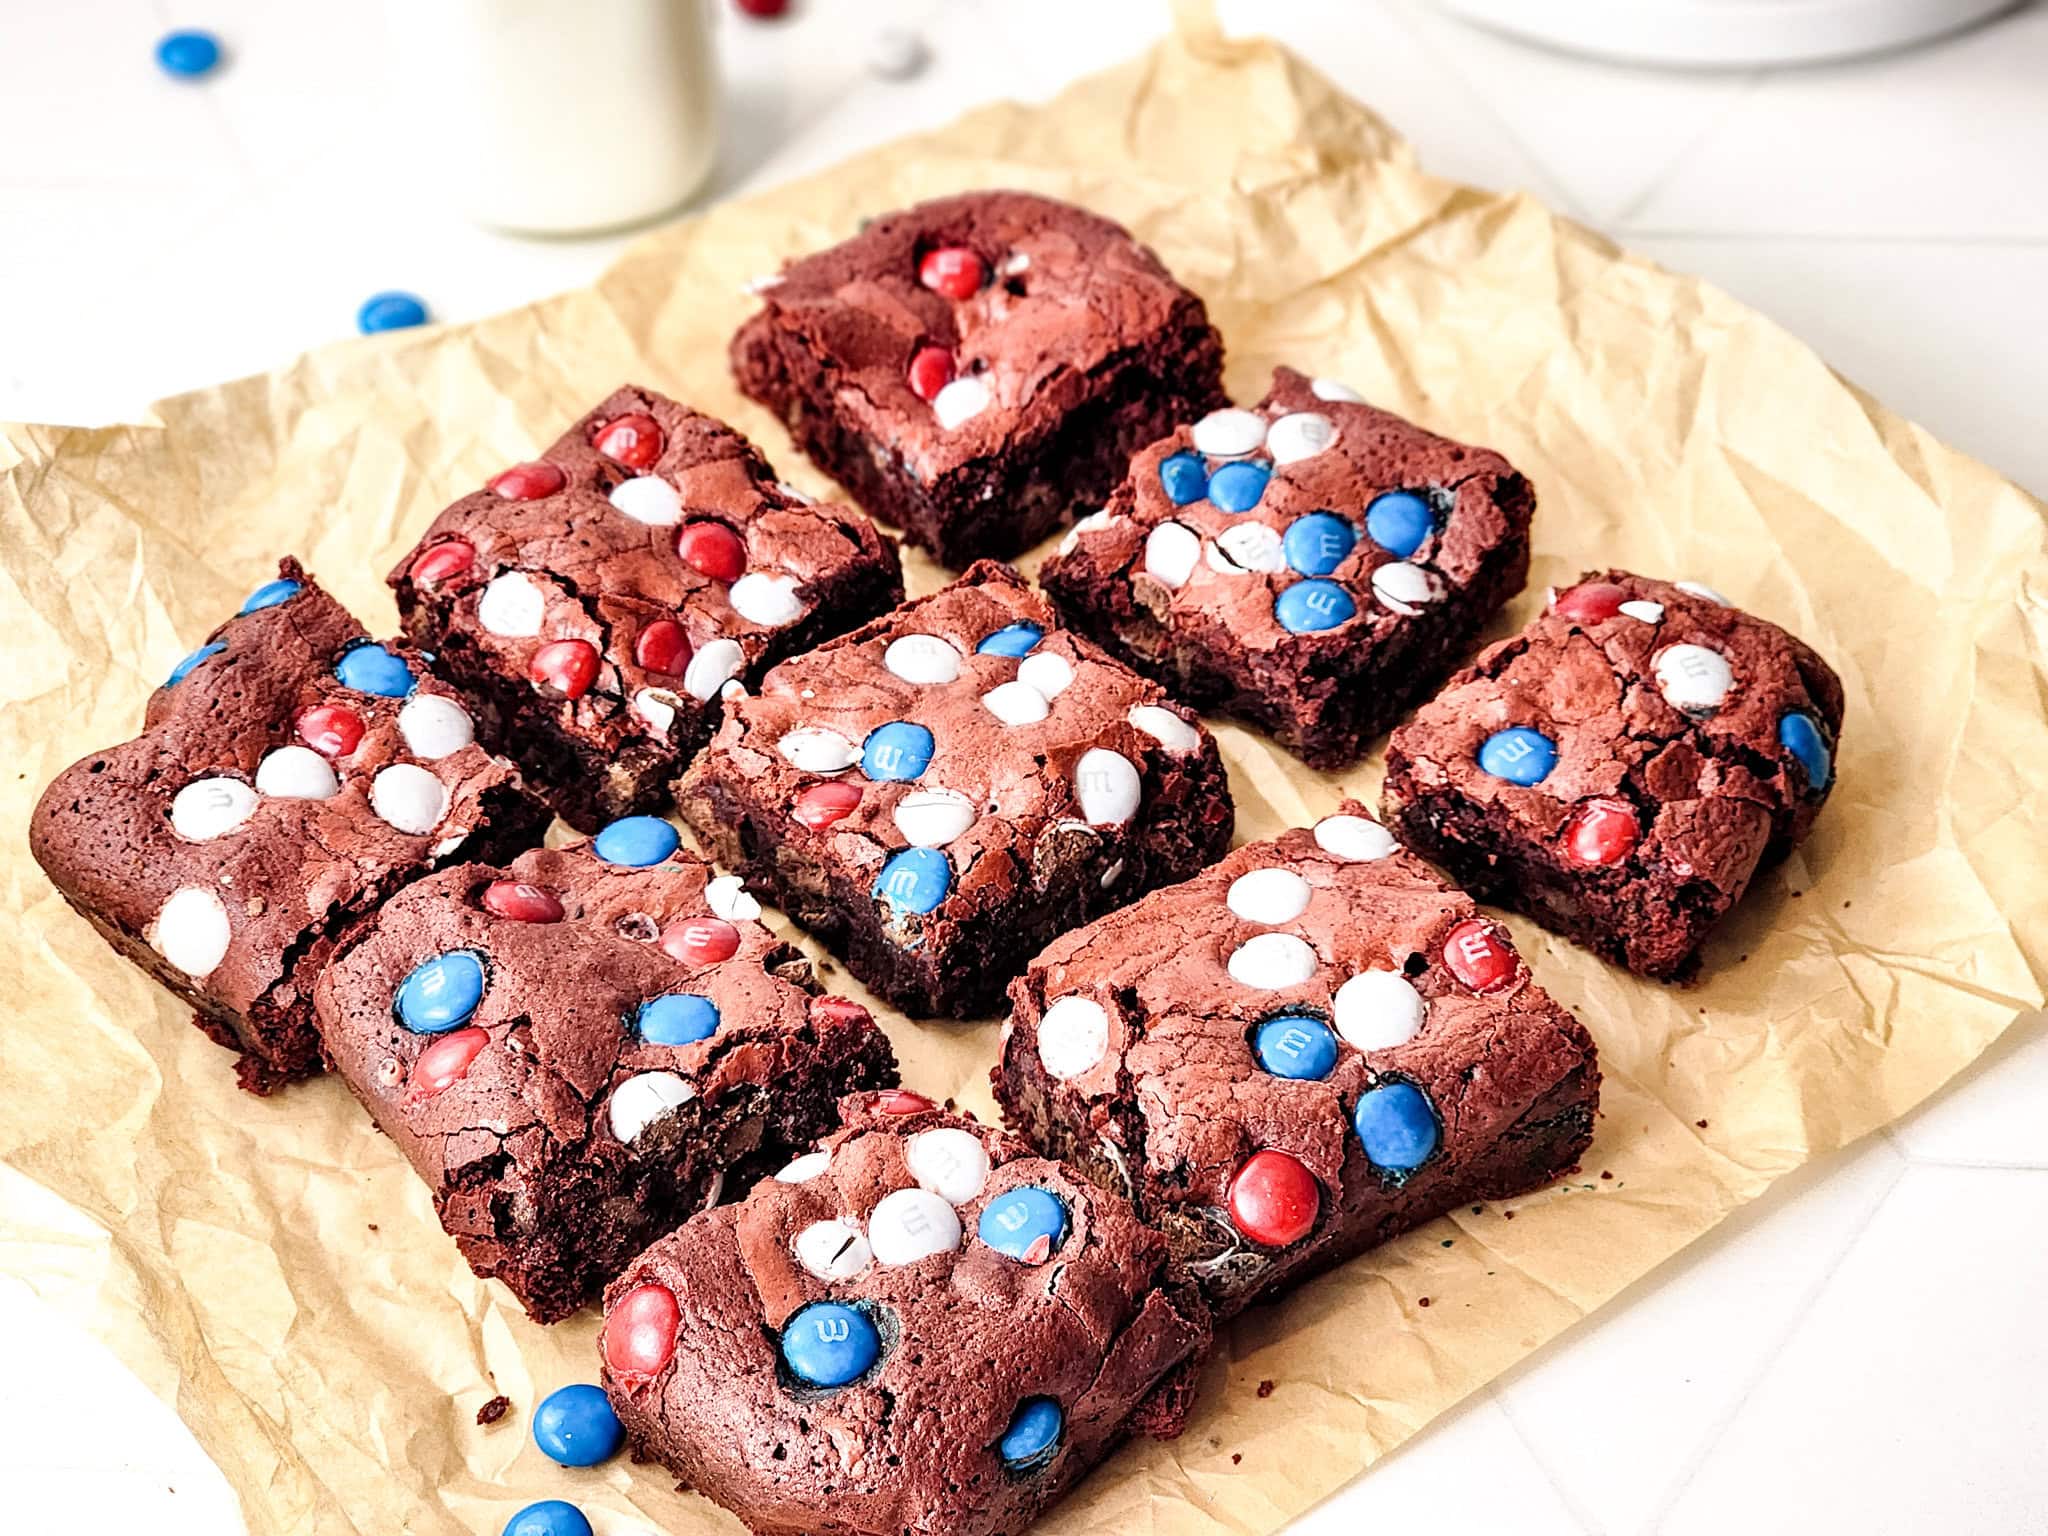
(275, 1269)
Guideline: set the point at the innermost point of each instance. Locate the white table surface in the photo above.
(1863, 1351)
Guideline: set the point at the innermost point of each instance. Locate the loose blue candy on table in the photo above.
(441, 993)
(1798, 735)
(369, 668)
(188, 54)
(899, 750)
(1313, 604)
(550, 1517)
(270, 594)
(915, 880)
(1011, 640)
(680, 1018)
(1316, 545)
(392, 311)
(1184, 477)
(1026, 1223)
(1238, 487)
(828, 1345)
(1296, 1045)
(1519, 755)
(636, 841)
(576, 1426)
(1033, 1435)
(1396, 1126)
(1398, 521)
(184, 668)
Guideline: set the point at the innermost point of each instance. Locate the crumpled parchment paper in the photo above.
(274, 1269)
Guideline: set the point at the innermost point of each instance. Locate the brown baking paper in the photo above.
(274, 1269)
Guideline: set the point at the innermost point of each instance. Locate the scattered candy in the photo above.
(550, 1517)
(1108, 787)
(1073, 1035)
(434, 726)
(640, 1331)
(950, 1162)
(569, 667)
(1399, 522)
(296, 773)
(1027, 1224)
(911, 1224)
(1272, 962)
(1297, 1046)
(1404, 588)
(1335, 389)
(441, 563)
(828, 1345)
(961, 401)
(822, 804)
(1011, 640)
(636, 842)
(1354, 839)
(528, 482)
(801, 1170)
(1273, 1199)
(1802, 737)
(1519, 755)
(409, 797)
(1601, 832)
(446, 1061)
(915, 881)
(1702, 590)
(649, 499)
(441, 993)
(1318, 543)
(1047, 671)
(1171, 551)
(895, 54)
(210, 808)
(1229, 433)
(931, 370)
(1647, 613)
(922, 659)
(952, 270)
(1033, 1436)
(369, 668)
(392, 310)
(184, 668)
(1300, 435)
(716, 663)
(833, 1250)
(1238, 487)
(767, 599)
(1592, 602)
(1247, 547)
(700, 941)
(1396, 1126)
(678, 1018)
(1693, 678)
(932, 818)
(1378, 1010)
(191, 931)
(634, 440)
(814, 749)
(576, 1427)
(1480, 956)
(269, 595)
(1184, 477)
(1268, 896)
(1313, 604)
(518, 901)
(1016, 703)
(901, 749)
(512, 605)
(188, 54)
(1165, 727)
(643, 1099)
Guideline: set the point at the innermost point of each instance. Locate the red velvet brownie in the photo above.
(597, 600)
(1295, 1055)
(1312, 565)
(938, 794)
(923, 1326)
(580, 1049)
(289, 776)
(977, 368)
(1621, 769)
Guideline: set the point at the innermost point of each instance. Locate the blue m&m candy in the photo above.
(1399, 521)
(1396, 1126)
(1296, 1045)
(394, 310)
(1026, 1223)
(828, 1345)
(1011, 640)
(1798, 735)
(269, 595)
(898, 750)
(550, 1517)
(1316, 545)
(576, 1426)
(680, 1018)
(1519, 755)
(369, 668)
(1033, 1435)
(1237, 487)
(915, 880)
(636, 842)
(1312, 604)
(184, 668)
(1185, 478)
(188, 55)
(441, 993)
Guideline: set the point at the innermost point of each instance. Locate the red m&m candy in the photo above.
(952, 270)
(901, 1101)
(528, 482)
(446, 1061)
(822, 804)
(640, 1331)
(520, 902)
(567, 666)
(331, 730)
(1601, 832)
(442, 562)
(663, 647)
(931, 370)
(1480, 956)
(634, 440)
(701, 941)
(713, 549)
(838, 1010)
(1591, 603)
(1273, 1199)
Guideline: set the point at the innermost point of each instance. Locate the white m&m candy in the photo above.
(817, 750)
(191, 931)
(1229, 434)
(1244, 547)
(1376, 1010)
(932, 818)
(922, 659)
(1047, 671)
(1094, 522)
(1701, 590)
(1165, 727)
(1335, 389)
(1406, 589)
(715, 663)
(1108, 787)
(833, 1250)
(1268, 896)
(1648, 613)
(657, 706)
(296, 773)
(649, 499)
(409, 798)
(764, 599)
(1354, 839)
(1016, 703)
(1693, 678)
(1171, 551)
(434, 727)
(949, 1162)
(640, 1101)
(801, 1170)
(210, 808)
(961, 401)
(1272, 962)
(1299, 435)
(512, 606)
(912, 1224)
(728, 897)
(1073, 1035)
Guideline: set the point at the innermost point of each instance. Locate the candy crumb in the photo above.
(494, 1410)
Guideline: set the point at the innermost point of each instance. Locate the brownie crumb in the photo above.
(373, 1226)
(1422, 1301)
(1266, 1387)
(494, 1410)
(1236, 1457)
(1606, 1173)
(1701, 1124)
(1507, 1215)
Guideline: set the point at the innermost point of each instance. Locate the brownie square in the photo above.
(597, 600)
(922, 1326)
(1621, 769)
(977, 368)
(289, 776)
(1312, 565)
(938, 794)
(579, 1050)
(1297, 1054)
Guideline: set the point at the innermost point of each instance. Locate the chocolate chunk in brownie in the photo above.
(1621, 769)
(597, 600)
(938, 794)
(289, 776)
(1312, 565)
(1298, 1054)
(579, 1050)
(921, 1326)
(978, 368)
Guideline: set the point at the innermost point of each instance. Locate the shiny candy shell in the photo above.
(1519, 755)
(1033, 1436)
(899, 750)
(1108, 787)
(441, 993)
(1229, 433)
(369, 668)
(1354, 839)
(1601, 832)
(575, 1426)
(643, 1099)
(728, 897)
(1480, 956)
(649, 499)
(1268, 896)
(915, 880)
(1073, 1035)
(931, 370)
(331, 729)
(1184, 477)
(923, 659)
(713, 550)
(269, 595)
(1047, 671)
(1399, 522)
(1011, 640)
(829, 1345)
(823, 804)
(1403, 588)
(911, 1224)
(569, 667)
(1272, 962)
(1378, 1010)
(677, 1018)
(511, 605)
(188, 54)
(1591, 602)
(954, 271)
(1313, 604)
(526, 482)
(1300, 435)
(1165, 727)
(439, 564)
(950, 1162)
(901, 1101)
(1016, 702)
(1644, 612)
(636, 842)
(961, 401)
(633, 440)
(550, 1517)
(716, 663)
(700, 941)
(766, 598)
(392, 310)
(409, 798)
(1273, 1199)
(1693, 678)
(801, 1170)
(1799, 735)
(446, 1061)
(1335, 389)
(1704, 592)
(817, 750)
(1171, 551)
(296, 773)
(191, 931)
(834, 1251)
(640, 1331)
(932, 818)
(434, 727)
(662, 647)
(1396, 1127)
(1238, 487)
(1296, 1045)
(518, 901)
(1027, 1224)
(1318, 543)
(210, 808)
(1244, 547)
(184, 668)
